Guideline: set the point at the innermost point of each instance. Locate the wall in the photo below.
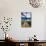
(45, 27)
(13, 8)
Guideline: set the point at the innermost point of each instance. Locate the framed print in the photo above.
(26, 19)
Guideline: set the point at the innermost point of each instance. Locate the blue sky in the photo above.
(26, 15)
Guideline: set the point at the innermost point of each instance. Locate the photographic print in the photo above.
(26, 18)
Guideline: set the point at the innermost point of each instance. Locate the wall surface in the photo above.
(45, 27)
(13, 8)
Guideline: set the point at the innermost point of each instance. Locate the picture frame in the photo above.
(26, 19)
